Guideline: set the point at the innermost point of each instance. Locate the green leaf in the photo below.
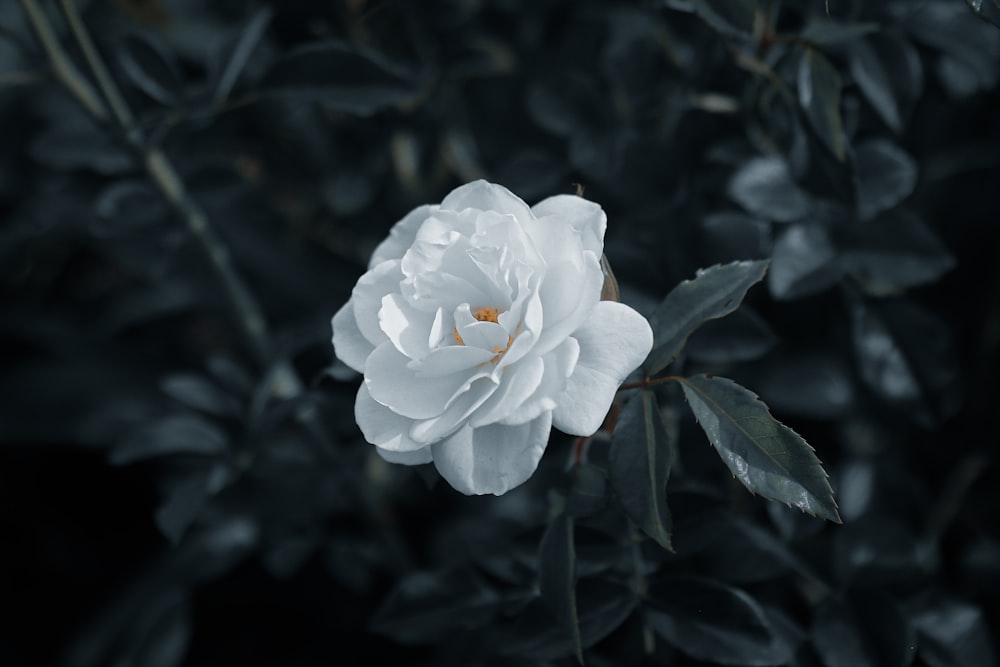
(340, 77)
(557, 576)
(639, 466)
(196, 391)
(804, 262)
(889, 74)
(175, 434)
(765, 455)
(906, 356)
(713, 622)
(712, 293)
(950, 632)
(588, 492)
(886, 176)
(819, 94)
(426, 607)
(730, 17)
(894, 251)
(743, 336)
(764, 186)
(250, 35)
(826, 32)
(150, 67)
(986, 9)
(603, 606)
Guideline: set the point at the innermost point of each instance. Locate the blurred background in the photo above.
(179, 486)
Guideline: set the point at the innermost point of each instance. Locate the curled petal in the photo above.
(381, 426)
(400, 236)
(455, 415)
(486, 196)
(559, 365)
(393, 384)
(518, 384)
(349, 344)
(585, 216)
(557, 242)
(614, 341)
(367, 298)
(409, 329)
(568, 297)
(414, 458)
(492, 459)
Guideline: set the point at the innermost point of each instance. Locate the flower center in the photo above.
(487, 314)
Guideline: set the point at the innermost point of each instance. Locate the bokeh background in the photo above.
(176, 492)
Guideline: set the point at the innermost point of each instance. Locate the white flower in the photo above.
(478, 327)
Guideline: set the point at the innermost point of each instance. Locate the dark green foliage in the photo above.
(182, 481)
(639, 466)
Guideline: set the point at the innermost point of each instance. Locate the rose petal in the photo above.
(455, 415)
(492, 459)
(613, 342)
(568, 298)
(486, 196)
(381, 426)
(349, 344)
(414, 458)
(451, 359)
(367, 298)
(557, 242)
(400, 236)
(434, 238)
(396, 386)
(585, 216)
(559, 365)
(409, 329)
(518, 383)
(430, 291)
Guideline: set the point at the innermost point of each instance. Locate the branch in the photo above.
(64, 69)
(249, 315)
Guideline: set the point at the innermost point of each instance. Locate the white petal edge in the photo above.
(614, 341)
(400, 236)
(413, 458)
(395, 385)
(486, 196)
(585, 216)
(349, 344)
(381, 426)
(492, 459)
(367, 298)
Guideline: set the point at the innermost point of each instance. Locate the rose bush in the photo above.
(478, 327)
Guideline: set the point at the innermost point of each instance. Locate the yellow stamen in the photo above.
(501, 350)
(487, 314)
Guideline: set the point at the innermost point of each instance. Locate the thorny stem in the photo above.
(646, 382)
(163, 173)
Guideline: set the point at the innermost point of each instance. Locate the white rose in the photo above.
(478, 327)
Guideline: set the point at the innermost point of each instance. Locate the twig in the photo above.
(248, 312)
(64, 69)
(646, 382)
(107, 85)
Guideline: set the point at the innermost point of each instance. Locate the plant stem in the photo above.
(97, 67)
(641, 584)
(646, 382)
(64, 69)
(162, 172)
